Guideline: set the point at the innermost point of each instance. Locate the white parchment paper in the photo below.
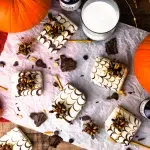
(127, 37)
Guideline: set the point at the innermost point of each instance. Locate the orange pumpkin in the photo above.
(20, 15)
(142, 63)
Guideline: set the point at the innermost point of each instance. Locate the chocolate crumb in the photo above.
(128, 148)
(86, 57)
(55, 140)
(82, 76)
(84, 118)
(97, 102)
(32, 66)
(113, 96)
(2, 64)
(49, 67)
(16, 63)
(64, 46)
(22, 38)
(130, 92)
(136, 136)
(40, 63)
(111, 47)
(71, 140)
(141, 139)
(55, 84)
(57, 60)
(56, 132)
(51, 58)
(67, 64)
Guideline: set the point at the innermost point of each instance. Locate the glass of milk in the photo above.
(100, 18)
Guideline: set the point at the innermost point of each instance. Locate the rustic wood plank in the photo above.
(39, 140)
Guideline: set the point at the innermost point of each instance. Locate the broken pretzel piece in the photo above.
(3, 88)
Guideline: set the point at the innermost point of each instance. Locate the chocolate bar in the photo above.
(121, 125)
(56, 33)
(109, 74)
(70, 102)
(17, 139)
(27, 83)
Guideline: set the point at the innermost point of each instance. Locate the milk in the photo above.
(100, 17)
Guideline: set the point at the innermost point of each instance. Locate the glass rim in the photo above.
(106, 31)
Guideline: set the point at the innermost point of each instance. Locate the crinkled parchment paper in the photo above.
(127, 37)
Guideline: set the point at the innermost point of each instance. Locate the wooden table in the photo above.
(142, 14)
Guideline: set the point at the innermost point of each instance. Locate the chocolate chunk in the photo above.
(85, 57)
(71, 140)
(56, 132)
(67, 64)
(131, 92)
(32, 66)
(136, 136)
(141, 139)
(128, 148)
(111, 46)
(97, 102)
(55, 140)
(40, 63)
(2, 64)
(82, 76)
(56, 84)
(39, 118)
(85, 118)
(113, 96)
(16, 63)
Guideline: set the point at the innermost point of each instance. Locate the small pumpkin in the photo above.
(20, 15)
(142, 63)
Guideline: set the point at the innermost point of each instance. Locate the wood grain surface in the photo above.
(39, 141)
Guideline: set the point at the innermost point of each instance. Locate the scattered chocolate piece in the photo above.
(85, 57)
(56, 132)
(71, 140)
(131, 92)
(2, 64)
(97, 102)
(51, 58)
(39, 118)
(55, 140)
(82, 76)
(49, 67)
(128, 148)
(141, 139)
(32, 66)
(113, 96)
(84, 118)
(67, 64)
(16, 63)
(57, 60)
(136, 136)
(22, 38)
(40, 63)
(64, 46)
(111, 47)
(56, 84)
